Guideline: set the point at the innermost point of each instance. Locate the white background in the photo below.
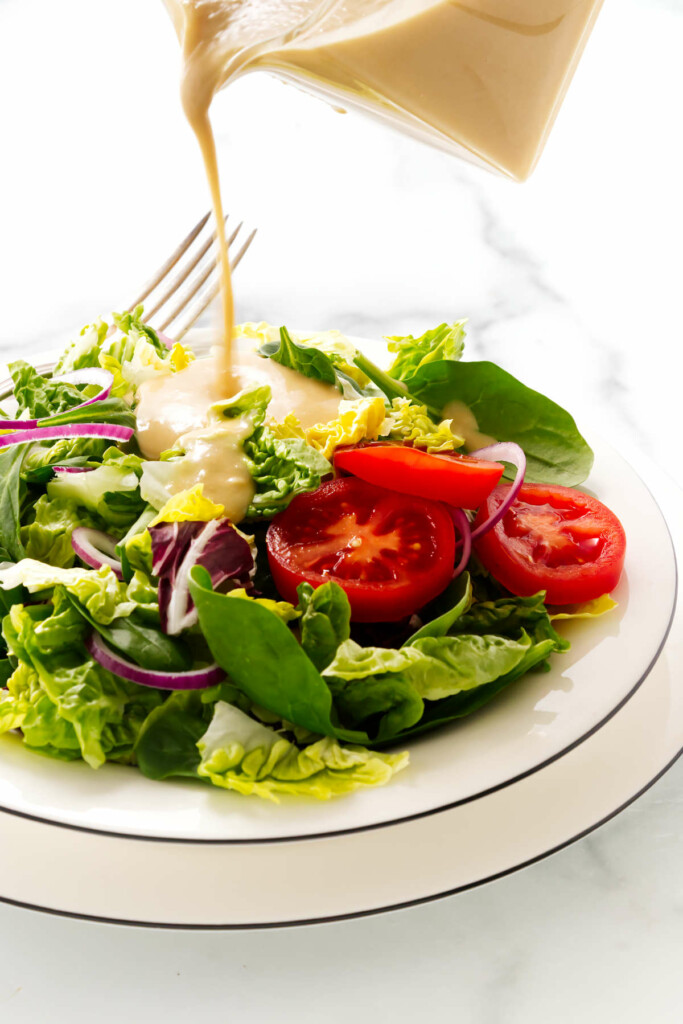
(572, 281)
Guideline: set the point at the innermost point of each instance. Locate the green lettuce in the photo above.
(84, 350)
(67, 451)
(47, 397)
(57, 685)
(245, 756)
(112, 491)
(47, 538)
(445, 342)
(103, 596)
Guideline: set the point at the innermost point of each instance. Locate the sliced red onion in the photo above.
(90, 375)
(72, 469)
(165, 340)
(505, 451)
(96, 549)
(462, 525)
(197, 679)
(111, 431)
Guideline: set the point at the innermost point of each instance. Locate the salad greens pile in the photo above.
(306, 701)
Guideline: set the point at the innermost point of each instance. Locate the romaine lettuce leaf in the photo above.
(111, 491)
(104, 597)
(47, 397)
(68, 451)
(245, 756)
(47, 538)
(65, 687)
(84, 350)
(281, 468)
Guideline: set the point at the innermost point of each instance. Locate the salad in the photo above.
(380, 584)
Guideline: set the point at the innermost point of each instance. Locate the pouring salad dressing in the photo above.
(483, 78)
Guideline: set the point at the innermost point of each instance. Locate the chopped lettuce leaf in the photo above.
(240, 754)
(84, 350)
(189, 505)
(111, 491)
(445, 342)
(406, 421)
(48, 537)
(60, 686)
(105, 597)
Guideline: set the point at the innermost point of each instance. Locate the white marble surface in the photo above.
(571, 281)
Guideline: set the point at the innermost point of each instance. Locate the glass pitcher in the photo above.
(480, 78)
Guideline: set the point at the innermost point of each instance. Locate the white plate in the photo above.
(186, 885)
(528, 726)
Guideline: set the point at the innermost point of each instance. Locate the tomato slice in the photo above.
(390, 552)
(554, 539)
(459, 480)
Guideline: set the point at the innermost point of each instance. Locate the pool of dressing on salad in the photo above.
(487, 75)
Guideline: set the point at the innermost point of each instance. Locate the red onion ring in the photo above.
(72, 469)
(505, 451)
(90, 375)
(462, 525)
(96, 549)
(197, 679)
(111, 431)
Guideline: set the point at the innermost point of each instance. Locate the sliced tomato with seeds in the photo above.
(390, 552)
(459, 480)
(554, 539)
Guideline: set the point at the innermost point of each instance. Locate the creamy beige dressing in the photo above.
(464, 424)
(173, 404)
(176, 407)
(485, 76)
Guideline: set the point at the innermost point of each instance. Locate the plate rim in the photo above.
(351, 915)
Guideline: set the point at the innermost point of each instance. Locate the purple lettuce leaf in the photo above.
(177, 547)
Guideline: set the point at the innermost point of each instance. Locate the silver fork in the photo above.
(181, 298)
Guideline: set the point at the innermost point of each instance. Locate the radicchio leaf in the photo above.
(177, 547)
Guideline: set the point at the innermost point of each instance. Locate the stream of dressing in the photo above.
(214, 35)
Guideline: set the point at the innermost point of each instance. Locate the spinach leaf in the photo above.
(11, 459)
(507, 410)
(146, 645)
(167, 741)
(457, 598)
(311, 362)
(264, 660)
(326, 621)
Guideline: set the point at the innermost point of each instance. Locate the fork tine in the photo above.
(210, 294)
(182, 276)
(171, 261)
(201, 280)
